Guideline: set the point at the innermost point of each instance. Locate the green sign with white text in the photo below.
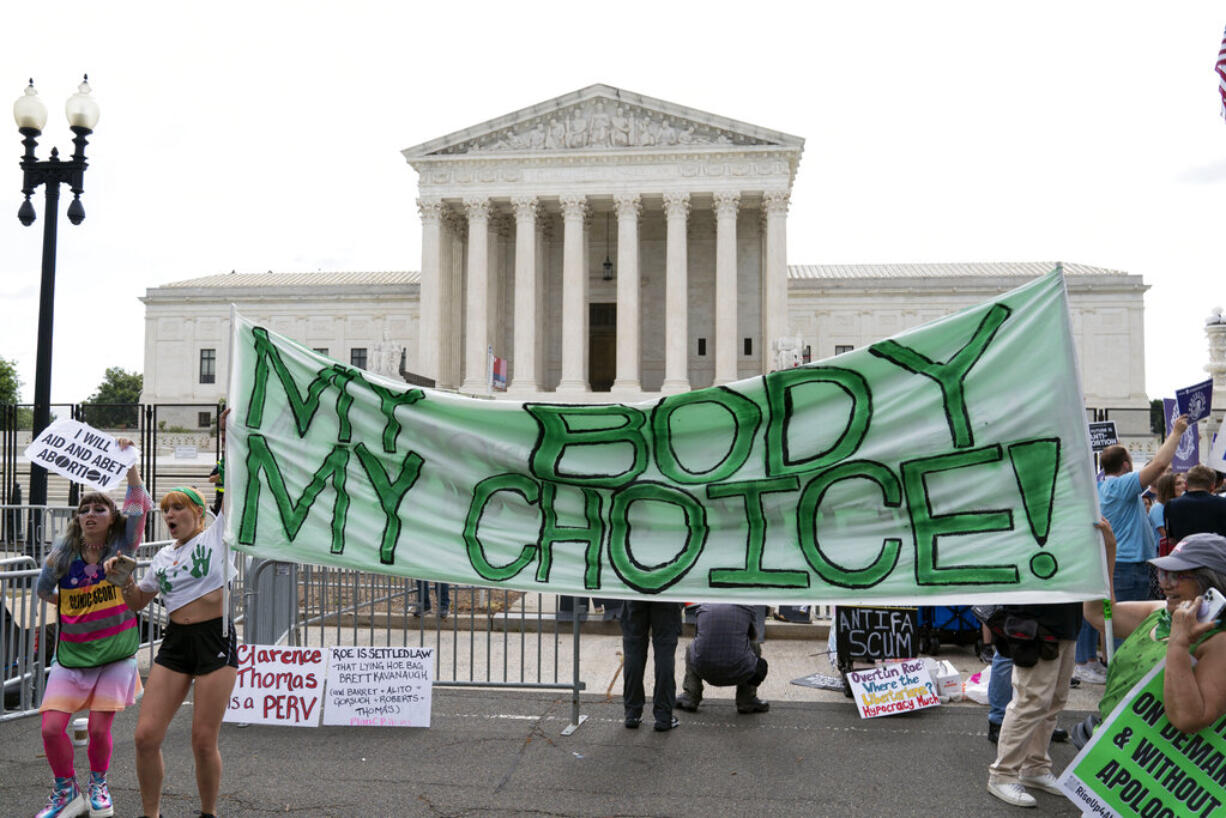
(949, 463)
(1137, 764)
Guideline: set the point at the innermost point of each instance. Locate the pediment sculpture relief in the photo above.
(602, 124)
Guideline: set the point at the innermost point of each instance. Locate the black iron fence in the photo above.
(158, 430)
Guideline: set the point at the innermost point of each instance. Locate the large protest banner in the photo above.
(950, 463)
(1138, 764)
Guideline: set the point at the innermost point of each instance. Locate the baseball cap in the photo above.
(1195, 551)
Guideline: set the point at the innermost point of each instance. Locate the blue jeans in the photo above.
(1131, 581)
(1000, 688)
(444, 595)
(1087, 644)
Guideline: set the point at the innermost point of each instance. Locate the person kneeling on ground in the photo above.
(725, 651)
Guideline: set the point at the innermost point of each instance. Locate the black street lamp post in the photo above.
(31, 116)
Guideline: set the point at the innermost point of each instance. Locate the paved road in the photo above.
(502, 753)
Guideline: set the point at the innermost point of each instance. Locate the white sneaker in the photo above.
(1088, 674)
(1045, 782)
(1012, 793)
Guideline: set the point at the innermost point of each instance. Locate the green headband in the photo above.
(192, 494)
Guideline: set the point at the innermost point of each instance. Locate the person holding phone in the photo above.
(191, 575)
(95, 666)
(1194, 687)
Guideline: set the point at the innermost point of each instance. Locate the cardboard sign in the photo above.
(277, 685)
(1217, 453)
(1103, 434)
(1187, 454)
(1136, 763)
(82, 454)
(876, 633)
(1195, 401)
(379, 687)
(897, 687)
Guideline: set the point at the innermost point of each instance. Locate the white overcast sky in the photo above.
(256, 136)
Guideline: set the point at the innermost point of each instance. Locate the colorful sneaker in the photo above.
(66, 800)
(100, 805)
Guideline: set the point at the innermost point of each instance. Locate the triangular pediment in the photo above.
(601, 118)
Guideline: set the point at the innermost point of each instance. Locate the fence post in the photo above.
(270, 601)
(577, 683)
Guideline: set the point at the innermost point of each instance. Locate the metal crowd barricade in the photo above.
(491, 638)
(28, 625)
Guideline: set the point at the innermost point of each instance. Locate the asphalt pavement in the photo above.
(502, 752)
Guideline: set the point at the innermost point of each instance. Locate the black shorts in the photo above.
(199, 648)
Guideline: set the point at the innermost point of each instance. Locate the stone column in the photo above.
(451, 262)
(627, 379)
(476, 318)
(574, 297)
(430, 335)
(774, 276)
(1215, 329)
(725, 287)
(523, 358)
(676, 296)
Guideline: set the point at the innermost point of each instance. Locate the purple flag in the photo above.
(1188, 453)
(1195, 401)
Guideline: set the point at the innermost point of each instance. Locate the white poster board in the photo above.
(82, 454)
(893, 688)
(278, 685)
(379, 687)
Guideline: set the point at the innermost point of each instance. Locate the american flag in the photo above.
(498, 371)
(1221, 74)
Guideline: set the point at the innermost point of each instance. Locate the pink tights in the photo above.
(58, 746)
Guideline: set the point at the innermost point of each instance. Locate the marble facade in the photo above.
(690, 210)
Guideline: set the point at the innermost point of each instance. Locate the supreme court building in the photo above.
(611, 246)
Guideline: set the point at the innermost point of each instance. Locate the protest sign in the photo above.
(1136, 763)
(277, 685)
(1217, 453)
(82, 454)
(893, 688)
(1103, 434)
(1187, 454)
(949, 464)
(1195, 401)
(876, 633)
(379, 687)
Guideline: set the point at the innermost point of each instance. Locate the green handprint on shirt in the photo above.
(163, 583)
(200, 561)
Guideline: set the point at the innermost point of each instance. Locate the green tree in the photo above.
(1157, 417)
(10, 384)
(114, 404)
(10, 392)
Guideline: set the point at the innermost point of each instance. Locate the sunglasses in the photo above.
(1174, 576)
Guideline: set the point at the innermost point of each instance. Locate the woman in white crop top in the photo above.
(191, 574)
